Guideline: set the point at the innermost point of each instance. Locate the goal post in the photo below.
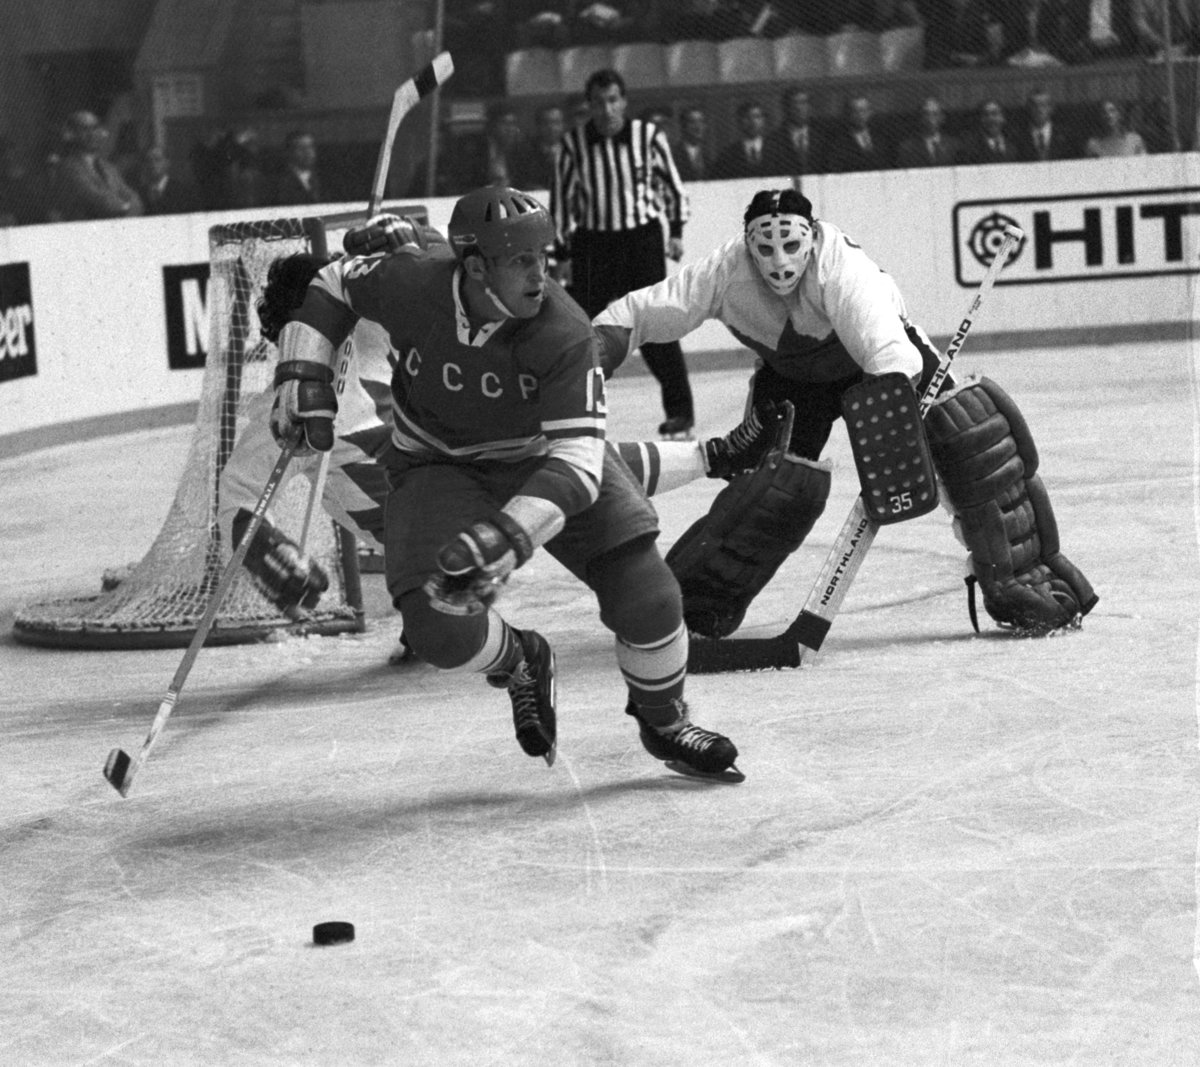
(159, 602)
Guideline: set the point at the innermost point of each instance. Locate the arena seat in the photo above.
(691, 62)
(852, 53)
(641, 64)
(902, 48)
(531, 71)
(745, 59)
(579, 62)
(799, 56)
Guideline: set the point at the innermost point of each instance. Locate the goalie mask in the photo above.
(779, 237)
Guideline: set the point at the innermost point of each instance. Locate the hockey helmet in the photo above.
(779, 237)
(499, 222)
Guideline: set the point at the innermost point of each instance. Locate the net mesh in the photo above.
(160, 601)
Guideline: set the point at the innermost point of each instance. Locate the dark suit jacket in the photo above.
(177, 197)
(289, 190)
(732, 163)
(1062, 145)
(977, 150)
(786, 158)
(845, 154)
(86, 191)
(688, 170)
(914, 152)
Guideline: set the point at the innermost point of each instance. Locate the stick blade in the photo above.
(116, 771)
(710, 656)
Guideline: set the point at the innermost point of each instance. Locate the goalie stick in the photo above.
(803, 638)
(410, 93)
(120, 769)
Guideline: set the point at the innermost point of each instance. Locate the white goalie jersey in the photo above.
(845, 314)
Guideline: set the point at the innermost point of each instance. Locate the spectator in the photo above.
(707, 20)
(855, 146)
(297, 181)
(541, 23)
(792, 147)
(989, 142)
(930, 146)
(608, 245)
(21, 195)
(1040, 137)
(961, 33)
(746, 157)
(228, 170)
(1034, 32)
(87, 185)
(1152, 35)
(693, 154)
(161, 191)
(1114, 138)
(476, 33)
(1097, 29)
(472, 158)
(541, 155)
(608, 23)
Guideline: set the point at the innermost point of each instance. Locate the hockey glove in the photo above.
(768, 428)
(305, 404)
(474, 565)
(382, 233)
(292, 582)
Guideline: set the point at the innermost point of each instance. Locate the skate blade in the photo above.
(549, 756)
(731, 775)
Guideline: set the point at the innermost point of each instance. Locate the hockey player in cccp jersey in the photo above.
(355, 489)
(821, 317)
(498, 448)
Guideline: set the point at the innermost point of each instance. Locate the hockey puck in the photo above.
(333, 933)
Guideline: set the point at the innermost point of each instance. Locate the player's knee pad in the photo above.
(637, 593)
(987, 460)
(441, 640)
(724, 559)
(292, 582)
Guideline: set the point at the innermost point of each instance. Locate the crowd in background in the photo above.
(85, 174)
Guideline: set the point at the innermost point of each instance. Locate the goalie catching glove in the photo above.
(291, 581)
(305, 405)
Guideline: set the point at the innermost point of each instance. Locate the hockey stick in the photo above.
(807, 631)
(410, 93)
(120, 769)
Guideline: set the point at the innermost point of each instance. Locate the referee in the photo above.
(614, 184)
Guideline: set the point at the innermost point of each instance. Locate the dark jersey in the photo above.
(506, 392)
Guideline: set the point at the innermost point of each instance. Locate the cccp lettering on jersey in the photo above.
(456, 379)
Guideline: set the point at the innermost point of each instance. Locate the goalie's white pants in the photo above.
(254, 456)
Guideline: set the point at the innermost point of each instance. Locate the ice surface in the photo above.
(950, 849)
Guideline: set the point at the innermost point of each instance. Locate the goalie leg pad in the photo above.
(725, 558)
(290, 581)
(987, 460)
(895, 469)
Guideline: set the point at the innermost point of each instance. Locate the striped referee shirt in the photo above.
(616, 183)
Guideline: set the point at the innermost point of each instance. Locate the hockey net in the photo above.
(158, 603)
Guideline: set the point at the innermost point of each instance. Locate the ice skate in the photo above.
(532, 691)
(687, 748)
(677, 428)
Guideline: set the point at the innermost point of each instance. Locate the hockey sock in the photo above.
(660, 466)
(502, 652)
(655, 671)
